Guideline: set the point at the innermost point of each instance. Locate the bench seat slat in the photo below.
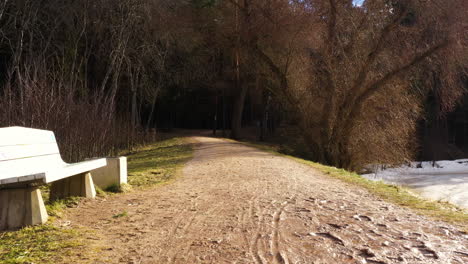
(25, 178)
(73, 169)
(55, 173)
(11, 136)
(28, 154)
(29, 166)
(8, 153)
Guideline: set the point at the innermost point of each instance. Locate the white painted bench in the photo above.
(30, 158)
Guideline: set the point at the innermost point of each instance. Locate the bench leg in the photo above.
(79, 185)
(21, 207)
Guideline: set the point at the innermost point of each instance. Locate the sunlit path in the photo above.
(236, 204)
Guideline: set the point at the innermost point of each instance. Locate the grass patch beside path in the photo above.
(51, 243)
(398, 195)
(158, 163)
(48, 243)
(38, 244)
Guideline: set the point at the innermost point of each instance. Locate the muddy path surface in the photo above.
(236, 204)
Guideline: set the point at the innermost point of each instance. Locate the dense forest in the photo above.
(358, 82)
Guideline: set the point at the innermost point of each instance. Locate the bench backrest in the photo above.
(26, 150)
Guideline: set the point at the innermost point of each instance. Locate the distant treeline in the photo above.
(104, 74)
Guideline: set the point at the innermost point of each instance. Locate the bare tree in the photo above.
(353, 74)
(364, 64)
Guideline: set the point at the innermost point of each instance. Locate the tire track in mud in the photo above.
(255, 223)
(186, 216)
(280, 256)
(275, 251)
(177, 247)
(255, 250)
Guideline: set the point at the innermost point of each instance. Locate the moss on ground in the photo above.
(38, 244)
(55, 208)
(158, 163)
(153, 164)
(395, 194)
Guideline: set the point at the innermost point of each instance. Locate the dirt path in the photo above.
(236, 204)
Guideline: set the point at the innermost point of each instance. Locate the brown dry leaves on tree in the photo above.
(367, 68)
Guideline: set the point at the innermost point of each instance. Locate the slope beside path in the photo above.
(237, 204)
(442, 180)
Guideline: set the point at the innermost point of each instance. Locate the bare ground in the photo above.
(236, 204)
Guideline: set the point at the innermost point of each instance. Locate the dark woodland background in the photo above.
(339, 83)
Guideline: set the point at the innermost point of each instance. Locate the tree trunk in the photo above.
(215, 117)
(238, 109)
(153, 106)
(265, 117)
(135, 115)
(224, 112)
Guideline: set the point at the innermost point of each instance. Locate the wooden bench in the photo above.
(30, 158)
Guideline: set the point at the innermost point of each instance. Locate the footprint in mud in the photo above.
(427, 251)
(464, 255)
(337, 226)
(374, 261)
(362, 218)
(370, 257)
(303, 210)
(330, 236)
(383, 226)
(367, 253)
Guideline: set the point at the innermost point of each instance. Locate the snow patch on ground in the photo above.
(445, 180)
